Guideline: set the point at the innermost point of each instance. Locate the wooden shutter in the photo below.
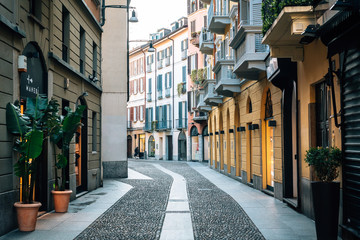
(170, 79)
(184, 74)
(166, 80)
(144, 84)
(189, 65)
(196, 61)
(180, 111)
(170, 49)
(131, 114)
(189, 100)
(157, 117)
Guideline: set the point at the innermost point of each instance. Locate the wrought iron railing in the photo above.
(162, 125)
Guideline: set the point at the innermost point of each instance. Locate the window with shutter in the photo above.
(132, 114)
(189, 100)
(149, 84)
(170, 49)
(196, 61)
(184, 74)
(189, 65)
(180, 111)
(170, 79)
(166, 81)
(182, 45)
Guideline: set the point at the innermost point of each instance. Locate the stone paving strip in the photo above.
(139, 214)
(177, 224)
(215, 214)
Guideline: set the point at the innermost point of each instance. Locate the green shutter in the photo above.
(170, 79)
(180, 111)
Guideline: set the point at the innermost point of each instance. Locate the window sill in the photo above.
(35, 19)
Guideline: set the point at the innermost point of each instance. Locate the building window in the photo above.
(249, 106)
(193, 26)
(135, 114)
(65, 34)
(141, 113)
(94, 60)
(141, 85)
(135, 87)
(82, 50)
(149, 84)
(35, 8)
(94, 132)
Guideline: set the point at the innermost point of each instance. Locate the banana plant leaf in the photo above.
(33, 144)
(71, 123)
(35, 107)
(16, 124)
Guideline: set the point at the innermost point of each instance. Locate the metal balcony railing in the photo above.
(160, 94)
(181, 123)
(167, 61)
(226, 72)
(149, 68)
(217, 12)
(148, 126)
(148, 97)
(206, 36)
(167, 92)
(184, 54)
(160, 64)
(163, 125)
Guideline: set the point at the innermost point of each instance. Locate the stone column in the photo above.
(201, 147)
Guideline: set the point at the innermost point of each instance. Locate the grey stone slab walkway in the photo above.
(275, 220)
(82, 212)
(177, 224)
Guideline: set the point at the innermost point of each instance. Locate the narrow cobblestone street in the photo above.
(173, 200)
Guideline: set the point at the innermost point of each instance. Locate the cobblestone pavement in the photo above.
(140, 213)
(137, 215)
(215, 214)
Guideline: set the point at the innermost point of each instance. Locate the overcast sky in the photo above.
(154, 14)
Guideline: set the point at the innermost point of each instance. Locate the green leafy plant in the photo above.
(180, 88)
(272, 8)
(198, 75)
(325, 162)
(61, 130)
(153, 125)
(28, 128)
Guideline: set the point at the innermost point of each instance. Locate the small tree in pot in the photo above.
(27, 127)
(61, 130)
(326, 193)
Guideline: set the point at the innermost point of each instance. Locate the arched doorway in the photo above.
(81, 150)
(249, 168)
(32, 83)
(129, 146)
(195, 148)
(228, 144)
(268, 143)
(151, 146)
(182, 146)
(221, 140)
(206, 148)
(237, 141)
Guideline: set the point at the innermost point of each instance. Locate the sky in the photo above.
(153, 15)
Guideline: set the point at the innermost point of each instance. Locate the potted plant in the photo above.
(180, 88)
(61, 130)
(326, 192)
(27, 127)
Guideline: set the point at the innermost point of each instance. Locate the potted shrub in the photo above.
(61, 130)
(27, 127)
(326, 192)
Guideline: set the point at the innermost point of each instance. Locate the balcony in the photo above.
(149, 68)
(201, 105)
(200, 116)
(160, 64)
(206, 1)
(284, 34)
(250, 52)
(148, 97)
(167, 92)
(148, 127)
(218, 19)
(226, 81)
(167, 61)
(181, 123)
(184, 54)
(160, 94)
(163, 125)
(206, 42)
(211, 98)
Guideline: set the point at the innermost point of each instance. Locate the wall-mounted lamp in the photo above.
(133, 18)
(309, 34)
(231, 130)
(272, 123)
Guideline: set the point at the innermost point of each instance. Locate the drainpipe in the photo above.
(173, 82)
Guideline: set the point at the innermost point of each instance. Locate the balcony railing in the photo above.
(181, 123)
(220, 13)
(148, 97)
(200, 116)
(167, 92)
(163, 125)
(183, 54)
(149, 68)
(160, 94)
(226, 72)
(167, 61)
(160, 64)
(148, 126)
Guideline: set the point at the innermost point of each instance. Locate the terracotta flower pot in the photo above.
(27, 215)
(61, 200)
